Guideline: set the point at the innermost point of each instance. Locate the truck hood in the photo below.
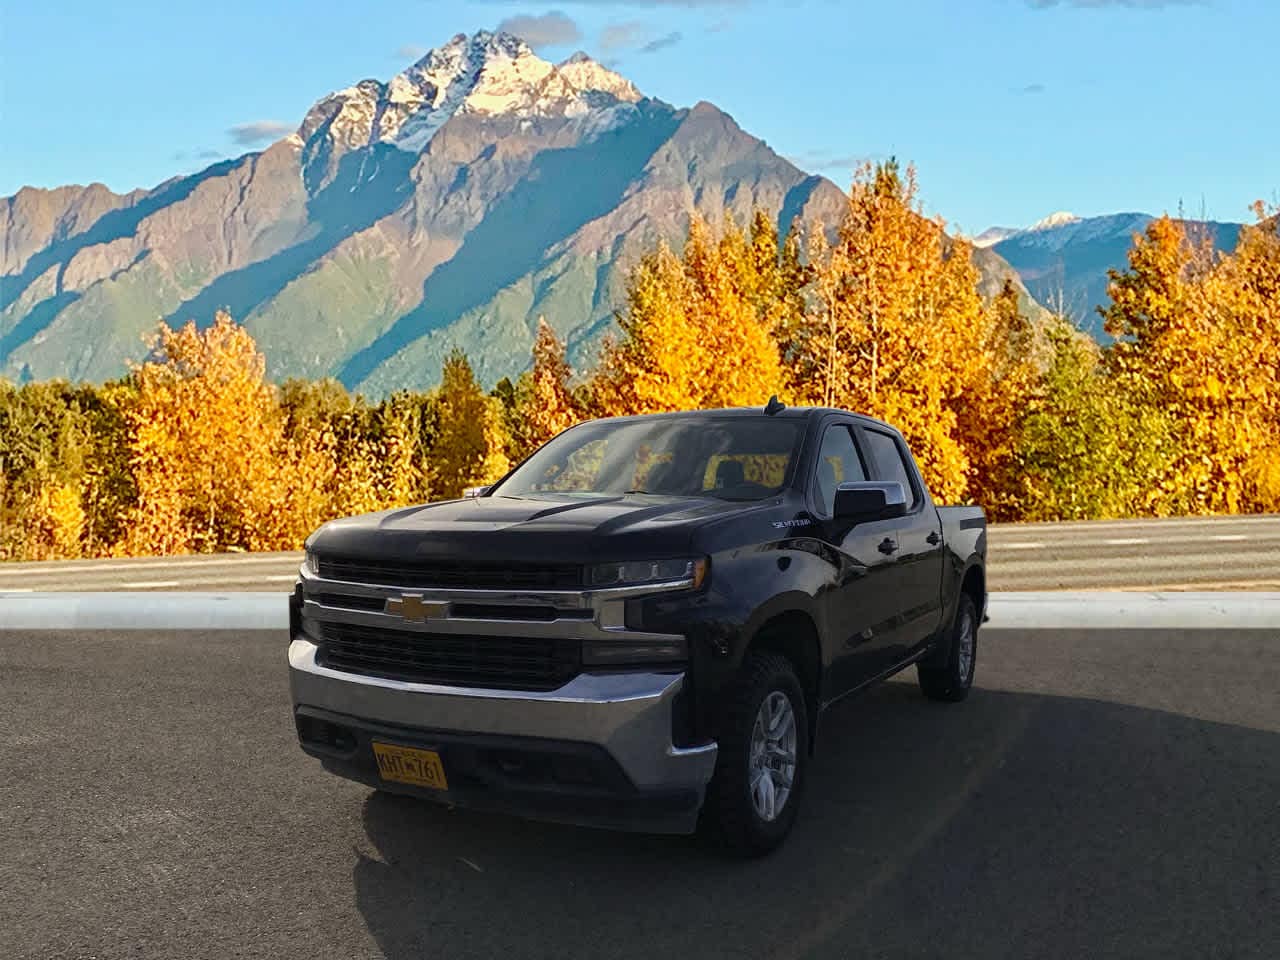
(498, 529)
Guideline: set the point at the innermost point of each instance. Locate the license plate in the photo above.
(419, 768)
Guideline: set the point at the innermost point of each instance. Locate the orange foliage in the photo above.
(207, 431)
(1180, 415)
(898, 325)
(693, 336)
(1198, 336)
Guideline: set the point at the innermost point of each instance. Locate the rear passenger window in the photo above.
(889, 459)
(838, 462)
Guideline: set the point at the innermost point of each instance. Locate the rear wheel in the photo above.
(952, 680)
(760, 766)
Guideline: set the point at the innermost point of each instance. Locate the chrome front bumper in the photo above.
(628, 714)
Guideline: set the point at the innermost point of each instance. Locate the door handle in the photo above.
(887, 546)
(934, 539)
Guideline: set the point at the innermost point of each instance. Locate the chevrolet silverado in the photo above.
(641, 625)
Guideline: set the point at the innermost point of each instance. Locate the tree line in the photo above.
(196, 451)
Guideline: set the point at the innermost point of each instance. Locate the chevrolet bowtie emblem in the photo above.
(411, 606)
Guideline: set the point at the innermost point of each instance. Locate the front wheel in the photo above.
(953, 680)
(764, 751)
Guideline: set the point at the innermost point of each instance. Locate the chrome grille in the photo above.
(428, 574)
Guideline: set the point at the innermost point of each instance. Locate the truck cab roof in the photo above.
(807, 414)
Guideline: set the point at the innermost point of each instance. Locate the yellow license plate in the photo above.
(420, 768)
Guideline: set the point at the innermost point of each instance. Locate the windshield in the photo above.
(733, 458)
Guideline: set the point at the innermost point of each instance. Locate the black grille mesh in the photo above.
(503, 663)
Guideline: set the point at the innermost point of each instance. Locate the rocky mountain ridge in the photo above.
(450, 206)
(1063, 259)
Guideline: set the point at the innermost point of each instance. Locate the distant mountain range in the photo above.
(452, 205)
(1063, 259)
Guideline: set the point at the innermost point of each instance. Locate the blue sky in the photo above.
(1011, 109)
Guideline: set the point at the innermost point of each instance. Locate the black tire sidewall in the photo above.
(966, 605)
(945, 682)
(740, 827)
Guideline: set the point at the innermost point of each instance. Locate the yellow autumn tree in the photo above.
(331, 458)
(1084, 449)
(404, 475)
(55, 524)
(351, 457)
(692, 335)
(544, 401)
(1244, 296)
(1175, 350)
(206, 433)
(990, 406)
(468, 449)
(64, 471)
(897, 323)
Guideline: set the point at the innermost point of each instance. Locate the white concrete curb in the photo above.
(1117, 610)
(1009, 611)
(143, 611)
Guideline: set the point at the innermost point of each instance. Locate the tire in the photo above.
(951, 682)
(731, 815)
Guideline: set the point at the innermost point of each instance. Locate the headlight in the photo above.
(312, 562)
(632, 573)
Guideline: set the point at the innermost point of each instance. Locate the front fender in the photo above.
(747, 588)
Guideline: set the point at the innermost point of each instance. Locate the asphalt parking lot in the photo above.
(1099, 795)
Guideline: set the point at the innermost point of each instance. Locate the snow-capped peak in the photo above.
(588, 76)
(1059, 219)
(494, 74)
(1060, 230)
(993, 235)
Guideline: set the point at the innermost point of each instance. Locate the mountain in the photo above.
(1063, 259)
(993, 235)
(449, 206)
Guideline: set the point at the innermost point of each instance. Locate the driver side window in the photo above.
(838, 462)
(578, 472)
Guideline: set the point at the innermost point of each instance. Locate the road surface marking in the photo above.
(186, 561)
(1126, 541)
(1243, 587)
(1230, 536)
(1020, 546)
(192, 583)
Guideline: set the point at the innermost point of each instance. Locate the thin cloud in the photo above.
(661, 43)
(828, 161)
(259, 132)
(634, 35)
(623, 36)
(1100, 4)
(1031, 89)
(412, 51)
(184, 156)
(719, 26)
(552, 29)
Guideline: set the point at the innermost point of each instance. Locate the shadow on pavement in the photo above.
(1013, 825)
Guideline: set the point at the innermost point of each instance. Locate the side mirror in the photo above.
(867, 500)
(470, 492)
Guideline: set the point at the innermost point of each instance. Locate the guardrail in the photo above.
(1008, 611)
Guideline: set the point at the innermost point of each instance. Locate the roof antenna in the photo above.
(774, 406)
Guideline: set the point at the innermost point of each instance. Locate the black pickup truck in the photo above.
(641, 625)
